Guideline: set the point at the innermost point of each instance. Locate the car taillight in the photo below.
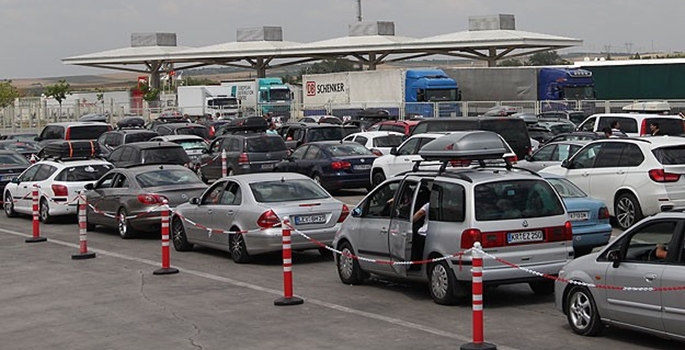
(242, 158)
(67, 136)
(460, 163)
(268, 219)
(344, 213)
(512, 159)
(340, 165)
(151, 199)
(603, 213)
(659, 175)
(643, 127)
(559, 233)
(211, 131)
(468, 237)
(377, 152)
(492, 239)
(60, 190)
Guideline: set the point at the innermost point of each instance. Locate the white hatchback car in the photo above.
(59, 183)
(634, 176)
(378, 142)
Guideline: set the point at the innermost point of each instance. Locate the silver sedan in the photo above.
(242, 214)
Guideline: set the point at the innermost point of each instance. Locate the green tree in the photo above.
(512, 62)
(150, 94)
(547, 58)
(330, 66)
(193, 81)
(59, 92)
(8, 93)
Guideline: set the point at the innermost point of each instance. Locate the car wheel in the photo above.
(348, 267)
(378, 178)
(178, 235)
(238, 248)
(442, 284)
(9, 206)
(124, 225)
(325, 253)
(581, 312)
(201, 174)
(544, 287)
(44, 212)
(627, 210)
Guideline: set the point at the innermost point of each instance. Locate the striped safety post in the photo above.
(166, 266)
(224, 167)
(82, 231)
(36, 221)
(288, 298)
(477, 290)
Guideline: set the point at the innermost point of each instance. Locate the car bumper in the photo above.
(503, 274)
(347, 181)
(270, 240)
(59, 209)
(591, 236)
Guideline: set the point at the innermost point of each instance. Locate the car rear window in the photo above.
(90, 172)
(194, 130)
(388, 141)
(266, 144)
(562, 128)
(21, 146)
(191, 144)
(670, 155)
(87, 132)
(165, 155)
(667, 126)
(167, 177)
(348, 149)
(327, 134)
(516, 199)
(284, 191)
(140, 137)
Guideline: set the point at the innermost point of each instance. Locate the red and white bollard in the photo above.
(36, 221)
(477, 290)
(166, 267)
(224, 167)
(82, 231)
(288, 298)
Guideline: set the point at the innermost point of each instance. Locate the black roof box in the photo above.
(245, 124)
(131, 122)
(77, 149)
(95, 117)
(474, 145)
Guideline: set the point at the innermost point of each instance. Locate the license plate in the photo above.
(310, 219)
(524, 237)
(362, 167)
(578, 215)
(267, 166)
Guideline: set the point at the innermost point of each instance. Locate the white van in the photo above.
(635, 124)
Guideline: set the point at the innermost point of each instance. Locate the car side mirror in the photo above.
(194, 201)
(89, 186)
(356, 212)
(393, 151)
(528, 157)
(37, 138)
(565, 163)
(614, 257)
(15, 180)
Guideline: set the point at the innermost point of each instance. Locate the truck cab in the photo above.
(274, 96)
(426, 88)
(565, 84)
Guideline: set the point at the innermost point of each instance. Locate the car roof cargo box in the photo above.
(464, 145)
(246, 124)
(656, 107)
(131, 122)
(77, 149)
(374, 113)
(95, 117)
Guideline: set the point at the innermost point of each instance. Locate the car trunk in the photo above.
(178, 195)
(310, 214)
(358, 164)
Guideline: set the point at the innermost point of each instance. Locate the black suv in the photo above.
(148, 153)
(297, 134)
(182, 129)
(512, 129)
(72, 131)
(112, 139)
(245, 153)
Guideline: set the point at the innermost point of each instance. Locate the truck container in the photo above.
(207, 100)
(414, 92)
(262, 95)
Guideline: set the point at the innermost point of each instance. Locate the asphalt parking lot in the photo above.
(114, 301)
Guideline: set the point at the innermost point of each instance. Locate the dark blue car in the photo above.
(332, 164)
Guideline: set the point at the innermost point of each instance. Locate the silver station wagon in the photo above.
(515, 214)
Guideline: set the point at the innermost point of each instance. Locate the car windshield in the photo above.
(87, 132)
(266, 144)
(348, 149)
(165, 155)
(191, 144)
(566, 188)
(388, 141)
(287, 191)
(561, 128)
(326, 134)
(13, 159)
(89, 172)
(516, 199)
(670, 155)
(167, 177)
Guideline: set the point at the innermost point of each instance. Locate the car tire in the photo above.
(325, 253)
(544, 287)
(442, 283)
(178, 235)
(44, 212)
(201, 174)
(377, 178)
(348, 267)
(124, 225)
(238, 248)
(627, 210)
(9, 206)
(581, 312)
(578, 252)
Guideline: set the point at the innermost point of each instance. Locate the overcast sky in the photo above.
(37, 34)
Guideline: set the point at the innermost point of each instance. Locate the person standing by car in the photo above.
(654, 128)
(616, 129)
